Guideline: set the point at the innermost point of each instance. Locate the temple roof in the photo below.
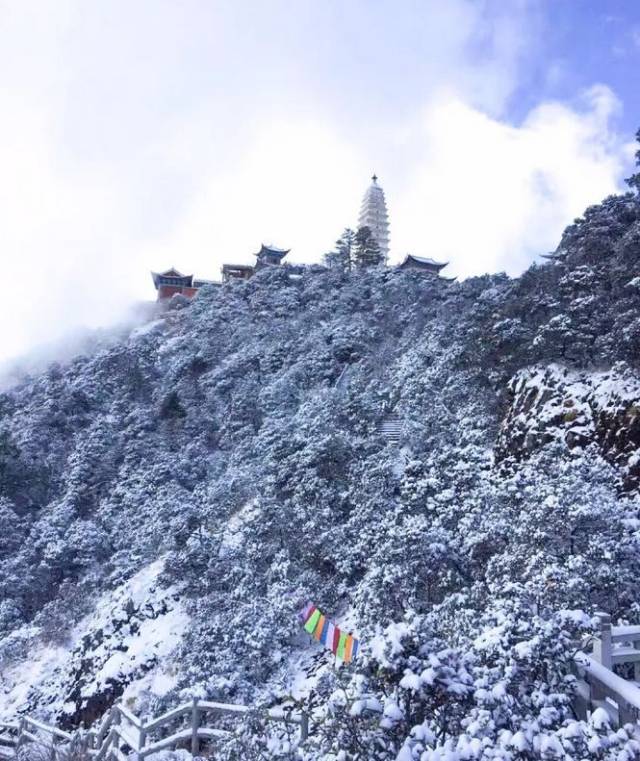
(273, 250)
(172, 273)
(424, 260)
(554, 256)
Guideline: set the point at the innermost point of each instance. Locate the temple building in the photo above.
(236, 272)
(423, 264)
(171, 281)
(270, 255)
(373, 214)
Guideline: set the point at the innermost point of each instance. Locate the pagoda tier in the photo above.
(373, 214)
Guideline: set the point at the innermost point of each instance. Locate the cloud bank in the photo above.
(489, 196)
(135, 138)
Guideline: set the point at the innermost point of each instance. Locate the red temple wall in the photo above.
(167, 291)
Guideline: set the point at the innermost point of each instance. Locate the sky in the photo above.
(136, 135)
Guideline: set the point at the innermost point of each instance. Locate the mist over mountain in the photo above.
(168, 504)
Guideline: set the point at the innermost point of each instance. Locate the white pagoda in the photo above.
(373, 214)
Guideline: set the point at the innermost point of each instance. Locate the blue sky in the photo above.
(582, 42)
(148, 133)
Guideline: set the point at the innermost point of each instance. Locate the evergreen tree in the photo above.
(634, 180)
(367, 250)
(343, 255)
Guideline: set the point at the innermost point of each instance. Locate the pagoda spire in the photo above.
(373, 214)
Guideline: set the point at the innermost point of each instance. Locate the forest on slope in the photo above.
(233, 443)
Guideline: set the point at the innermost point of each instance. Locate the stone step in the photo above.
(391, 429)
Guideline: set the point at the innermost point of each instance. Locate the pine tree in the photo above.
(367, 250)
(634, 181)
(343, 255)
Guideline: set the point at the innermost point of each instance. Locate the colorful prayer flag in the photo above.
(342, 644)
(348, 649)
(325, 631)
(312, 621)
(336, 639)
(306, 612)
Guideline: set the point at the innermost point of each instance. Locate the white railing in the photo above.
(122, 732)
(599, 686)
(604, 689)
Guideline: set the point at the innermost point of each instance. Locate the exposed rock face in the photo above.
(577, 408)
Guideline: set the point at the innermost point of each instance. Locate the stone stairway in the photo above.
(391, 428)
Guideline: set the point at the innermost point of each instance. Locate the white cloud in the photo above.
(490, 196)
(133, 138)
(64, 258)
(297, 184)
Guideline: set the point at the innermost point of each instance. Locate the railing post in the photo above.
(304, 726)
(582, 699)
(627, 714)
(195, 725)
(20, 735)
(117, 740)
(108, 745)
(602, 647)
(636, 665)
(142, 738)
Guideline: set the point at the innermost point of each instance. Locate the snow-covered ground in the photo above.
(125, 643)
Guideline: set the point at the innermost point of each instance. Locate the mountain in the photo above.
(169, 503)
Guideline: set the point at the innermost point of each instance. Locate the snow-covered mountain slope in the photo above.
(126, 640)
(168, 503)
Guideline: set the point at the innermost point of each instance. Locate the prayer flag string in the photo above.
(343, 645)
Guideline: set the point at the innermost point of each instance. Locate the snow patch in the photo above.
(132, 631)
